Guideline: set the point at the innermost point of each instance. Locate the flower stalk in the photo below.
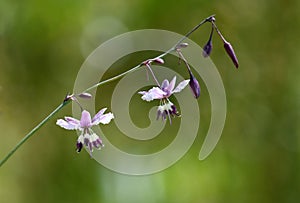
(36, 128)
(166, 109)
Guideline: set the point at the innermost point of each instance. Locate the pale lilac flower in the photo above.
(84, 125)
(166, 107)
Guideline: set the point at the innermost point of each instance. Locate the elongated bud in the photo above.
(159, 60)
(85, 95)
(231, 54)
(182, 45)
(194, 85)
(208, 47)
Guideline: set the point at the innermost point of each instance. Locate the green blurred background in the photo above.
(44, 43)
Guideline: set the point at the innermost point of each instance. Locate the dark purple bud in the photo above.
(231, 54)
(208, 47)
(194, 85)
(85, 95)
(79, 146)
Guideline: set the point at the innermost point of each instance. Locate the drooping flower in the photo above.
(84, 125)
(166, 107)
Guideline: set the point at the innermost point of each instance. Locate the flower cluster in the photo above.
(162, 92)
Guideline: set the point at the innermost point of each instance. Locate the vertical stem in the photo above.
(33, 131)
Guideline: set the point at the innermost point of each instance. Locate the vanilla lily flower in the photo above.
(166, 107)
(84, 125)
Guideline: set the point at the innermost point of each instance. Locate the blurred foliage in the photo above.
(44, 43)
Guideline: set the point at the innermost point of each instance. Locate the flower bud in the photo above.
(231, 54)
(208, 47)
(85, 95)
(182, 45)
(194, 85)
(159, 60)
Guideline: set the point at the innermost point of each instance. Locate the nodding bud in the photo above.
(194, 85)
(231, 54)
(208, 47)
(85, 95)
(159, 60)
(182, 45)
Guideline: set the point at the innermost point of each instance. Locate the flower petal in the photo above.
(181, 86)
(98, 115)
(106, 118)
(170, 87)
(154, 93)
(164, 84)
(85, 121)
(66, 125)
(73, 121)
(103, 118)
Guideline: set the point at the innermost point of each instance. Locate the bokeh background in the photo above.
(44, 43)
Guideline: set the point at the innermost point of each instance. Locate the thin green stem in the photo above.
(113, 78)
(69, 99)
(36, 128)
(208, 19)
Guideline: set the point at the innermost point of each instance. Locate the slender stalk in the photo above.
(208, 19)
(218, 31)
(36, 128)
(69, 98)
(184, 60)
(153, 75)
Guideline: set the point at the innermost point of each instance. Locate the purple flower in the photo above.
(166, 107)
(87, 136)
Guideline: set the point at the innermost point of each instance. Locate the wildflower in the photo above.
(166, 107)
(84, 125)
